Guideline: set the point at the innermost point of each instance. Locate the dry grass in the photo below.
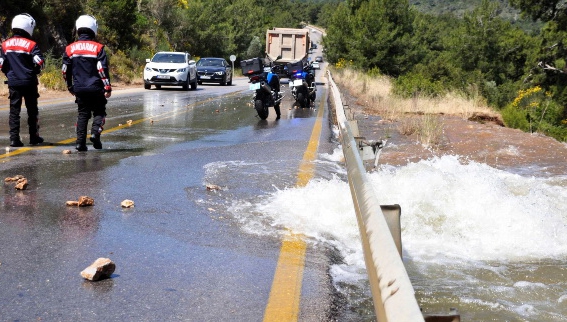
(418, 116)
(374, 93)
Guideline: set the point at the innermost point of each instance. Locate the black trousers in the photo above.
(91, 104)
(30, 95)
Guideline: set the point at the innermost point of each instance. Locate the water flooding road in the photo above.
(179, 253)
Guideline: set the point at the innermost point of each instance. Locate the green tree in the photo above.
(374, 34)
(116, 20)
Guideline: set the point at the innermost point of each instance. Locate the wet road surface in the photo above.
(179, 253)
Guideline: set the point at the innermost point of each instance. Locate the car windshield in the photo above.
(169, 58)
(210, 62)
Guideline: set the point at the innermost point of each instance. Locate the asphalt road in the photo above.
(180, 253)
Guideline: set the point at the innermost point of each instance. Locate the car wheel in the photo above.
(230, 81)
(147, 86)
(223, 82)
(186, 85)
(194, 85)
(200, 83)
(158, 86)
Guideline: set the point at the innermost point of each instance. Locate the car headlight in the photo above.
(182, 70)
(148, 69)
(219, 73)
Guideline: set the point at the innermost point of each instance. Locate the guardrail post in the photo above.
(392, 214)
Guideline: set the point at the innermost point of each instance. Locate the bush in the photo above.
(515, 118)
(413, 84)
(123, 69)
(51, 77)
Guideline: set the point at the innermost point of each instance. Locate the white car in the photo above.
(315, 65)
(170, 69)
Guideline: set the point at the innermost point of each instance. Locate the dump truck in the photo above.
(287, 45)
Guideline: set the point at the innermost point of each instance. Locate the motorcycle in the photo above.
(302, 83)
(266, 86)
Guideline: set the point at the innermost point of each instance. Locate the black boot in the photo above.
(36, 140)
(95, 139)
(81, 146)
(16, 143)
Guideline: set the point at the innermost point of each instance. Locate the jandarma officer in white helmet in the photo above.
(21, 61)
(85, 69)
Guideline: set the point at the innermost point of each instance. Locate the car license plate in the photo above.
(205, 77)
(254, 86)
(163, 76)
(298, 82)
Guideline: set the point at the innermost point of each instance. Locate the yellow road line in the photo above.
(116, 128)
(285, 294)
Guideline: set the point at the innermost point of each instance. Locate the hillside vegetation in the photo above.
(480, 54)
(459, 8)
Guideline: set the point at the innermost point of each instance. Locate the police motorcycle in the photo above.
(265, 83)
(302, 83)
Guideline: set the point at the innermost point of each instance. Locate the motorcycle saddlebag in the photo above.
(251, 66)
(295, 67)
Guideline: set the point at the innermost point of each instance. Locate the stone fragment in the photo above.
(66, 151)
(100, 269)
(22, 184)
(14, 179)
(85, 201)
(72, 203)
(127, 203)
(213, 187)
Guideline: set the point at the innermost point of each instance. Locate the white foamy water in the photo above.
(491, 237)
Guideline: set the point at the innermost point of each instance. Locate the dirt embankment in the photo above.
(482, 141)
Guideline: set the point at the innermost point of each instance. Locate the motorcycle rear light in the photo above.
(255, 78)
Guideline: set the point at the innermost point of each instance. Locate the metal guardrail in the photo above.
(392, 292)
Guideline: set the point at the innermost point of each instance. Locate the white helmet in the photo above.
(24, 22)
(87, 21)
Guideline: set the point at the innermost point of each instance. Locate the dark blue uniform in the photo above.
(85, 69)
(21, 61)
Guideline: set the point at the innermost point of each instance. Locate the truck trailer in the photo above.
(290, 44)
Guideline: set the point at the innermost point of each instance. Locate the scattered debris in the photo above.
(213, 187)
(151, 121)
(84, 201)
(66, 151)
(127, 203)
(100, 269)
(129, 122)
(20, 180)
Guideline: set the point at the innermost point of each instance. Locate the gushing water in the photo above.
(491, 243)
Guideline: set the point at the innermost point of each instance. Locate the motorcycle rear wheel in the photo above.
(260, 109)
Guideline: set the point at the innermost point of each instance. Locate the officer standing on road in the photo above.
(85, 69)
(21, 61)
